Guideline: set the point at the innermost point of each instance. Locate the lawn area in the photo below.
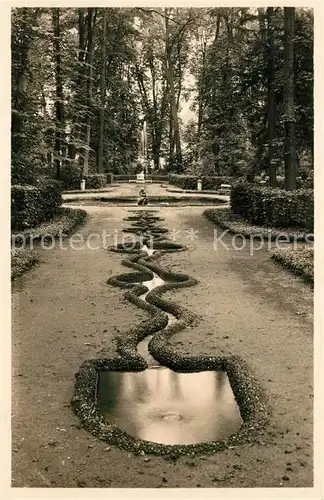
(63, 224)
(299, 260)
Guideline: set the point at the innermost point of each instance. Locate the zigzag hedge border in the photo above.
(248, 393)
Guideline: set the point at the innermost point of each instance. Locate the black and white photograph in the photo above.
(162, 248)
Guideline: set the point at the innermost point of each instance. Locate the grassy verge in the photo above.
(21, 261)
(300, 261)
(64, 223)
(237, 225)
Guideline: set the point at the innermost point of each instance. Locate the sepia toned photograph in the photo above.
(162, 247)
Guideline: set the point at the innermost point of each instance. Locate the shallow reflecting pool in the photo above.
(163, 406)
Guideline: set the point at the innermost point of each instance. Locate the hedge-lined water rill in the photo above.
(149, 398)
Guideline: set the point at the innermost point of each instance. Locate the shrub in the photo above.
(71, 176)
(265, 206)
(122, 178)
(51, 194)
(190, 181)
(300, 182)
(300, 261)
(32, 205)
(95, 181)
(21, 261)
(240, 198)
(159, 177)
(225, 219)
(109, 178)
(63, 223)
(153, 177)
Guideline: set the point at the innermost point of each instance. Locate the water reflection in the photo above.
(167, 407)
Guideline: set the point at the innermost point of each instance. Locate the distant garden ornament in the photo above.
(144, 148)
(140, 178)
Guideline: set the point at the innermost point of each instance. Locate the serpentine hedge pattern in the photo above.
(248, 393)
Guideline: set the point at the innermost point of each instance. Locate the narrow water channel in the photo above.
(142, 346)
(167, 407)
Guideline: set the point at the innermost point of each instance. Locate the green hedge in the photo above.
(71, 178)
(124, 178)
(32, 205)
(21, 261)
(152, 177)
(279, 208)
(301, 183)
(235, 224)
(300, 261)
(190, 181)
(158, 177)
(95, 181)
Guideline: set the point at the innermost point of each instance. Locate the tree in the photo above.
(91, 23)
(289, 100)
(271, 100)
(24, 121)
(225, 133)
(172, 94)
(102, 94)
(83, 80)
(59, 100)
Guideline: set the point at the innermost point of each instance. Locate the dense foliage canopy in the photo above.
(85, 79)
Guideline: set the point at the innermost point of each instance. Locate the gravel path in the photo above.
(64, 312)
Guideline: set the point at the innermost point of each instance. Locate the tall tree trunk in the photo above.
(271, 101)
(173, 102)
(89, 60)
(154, 116)
(59, 109)
(201, 92)
(102, 94)
(19, 91)
(262, 25)
(289, 100)
(79, 85)
(171, 139)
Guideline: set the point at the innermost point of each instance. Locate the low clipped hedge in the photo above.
(190, 181)
(71, 176)
(21, 261)
(124, 178)
(236, 224)
(32, 205)
(62, 224)
(95, 181)
(265, 206)
(152, 177)
(158, 178)
(300, 261)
